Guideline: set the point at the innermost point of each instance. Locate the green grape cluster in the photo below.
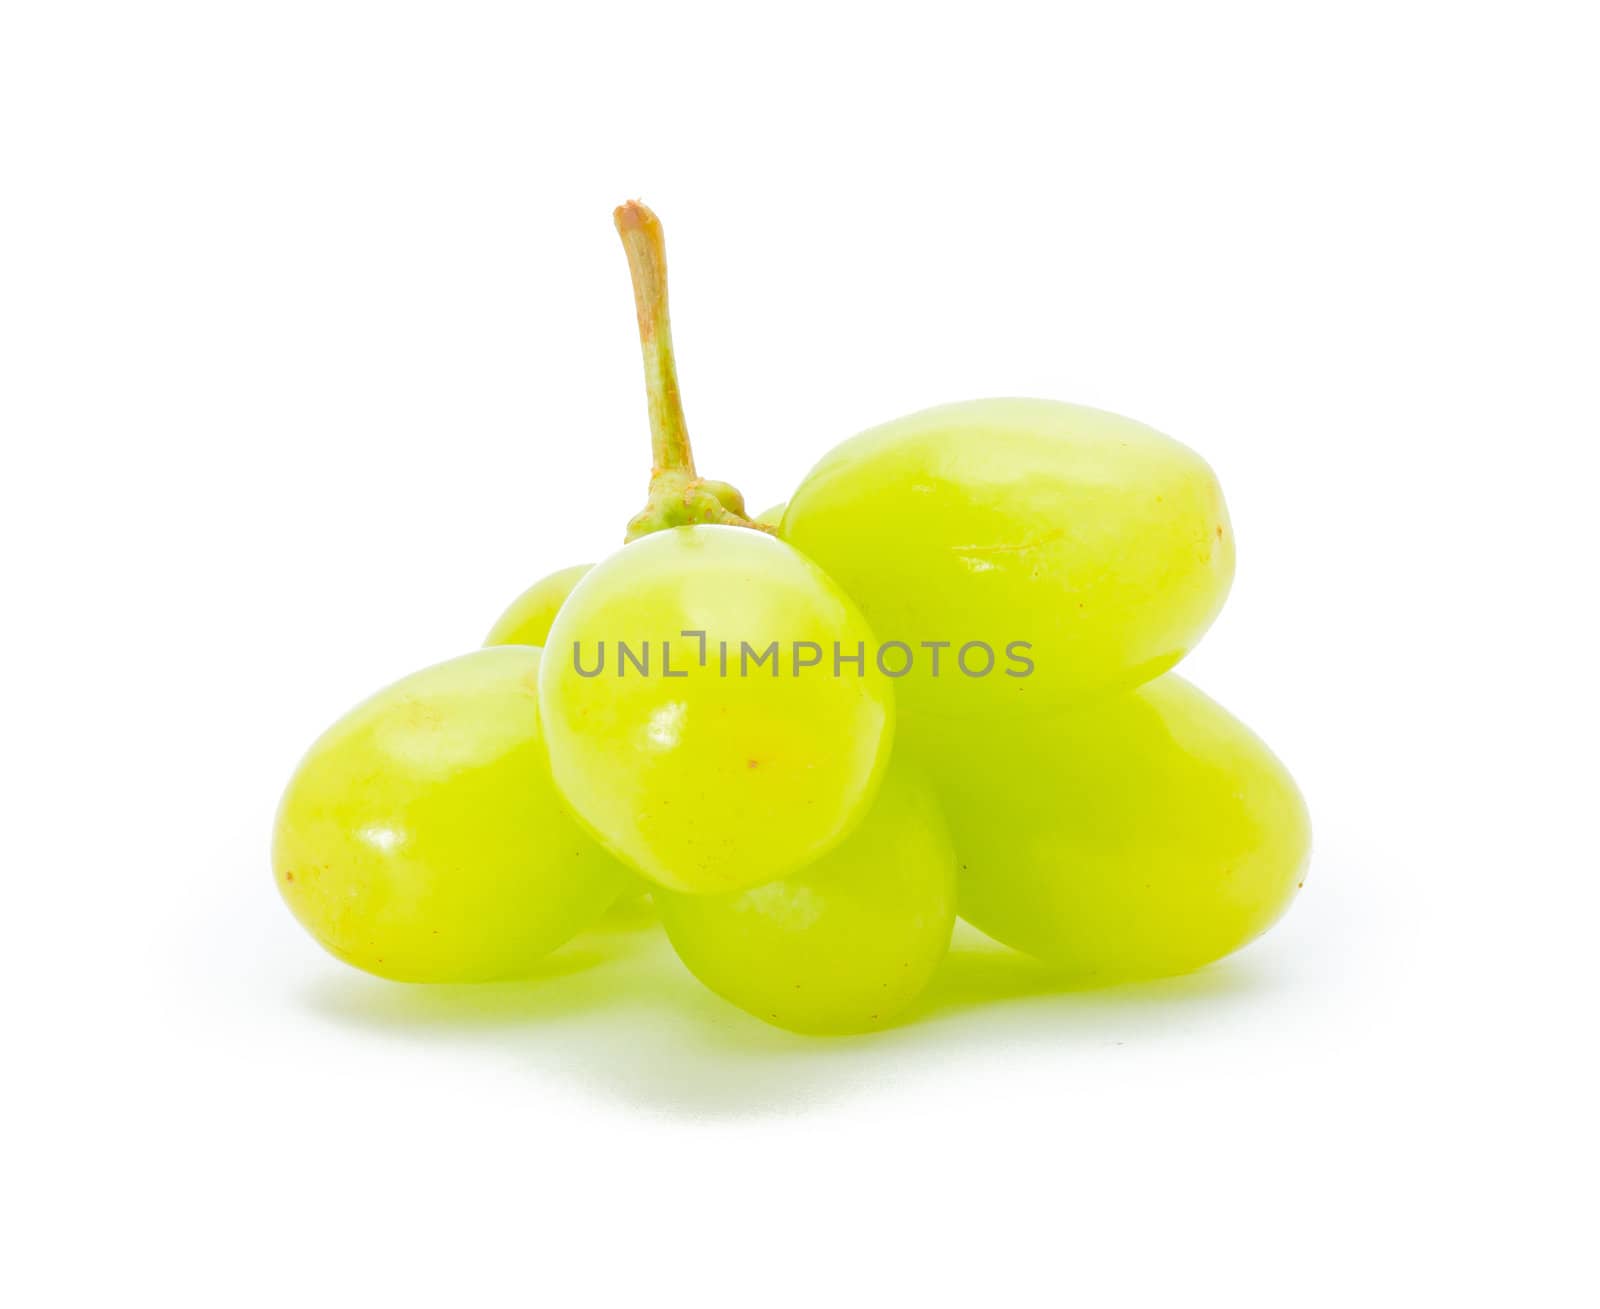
(934, 681)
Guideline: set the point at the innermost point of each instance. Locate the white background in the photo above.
(316, 346)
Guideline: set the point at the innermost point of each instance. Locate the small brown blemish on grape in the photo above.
(288, 877)
(1219, 531)
(752, 763)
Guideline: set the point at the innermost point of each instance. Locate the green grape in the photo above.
(843, 945)
(1081, 550)
(684, 728)
(421, 838)
(1143, 836)
(773, 516)
(527, 621)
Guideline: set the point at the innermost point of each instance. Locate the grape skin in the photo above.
(704, 782)
(421, 837)
(1142, 837)
(1102, 543)
(527, 620)
(848, 943)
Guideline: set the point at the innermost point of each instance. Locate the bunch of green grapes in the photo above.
(930, 682)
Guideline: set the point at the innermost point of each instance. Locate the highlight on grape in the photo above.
(796, 658)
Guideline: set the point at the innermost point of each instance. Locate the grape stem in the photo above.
(678, 495)
(646, 248)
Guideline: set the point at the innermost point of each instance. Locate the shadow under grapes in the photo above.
(618, 1014)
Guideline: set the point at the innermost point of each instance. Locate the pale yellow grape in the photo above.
(527, 620)
(1090, 546)
(421, 837)
(707, 778)
(844, 945)
(1144, 836)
